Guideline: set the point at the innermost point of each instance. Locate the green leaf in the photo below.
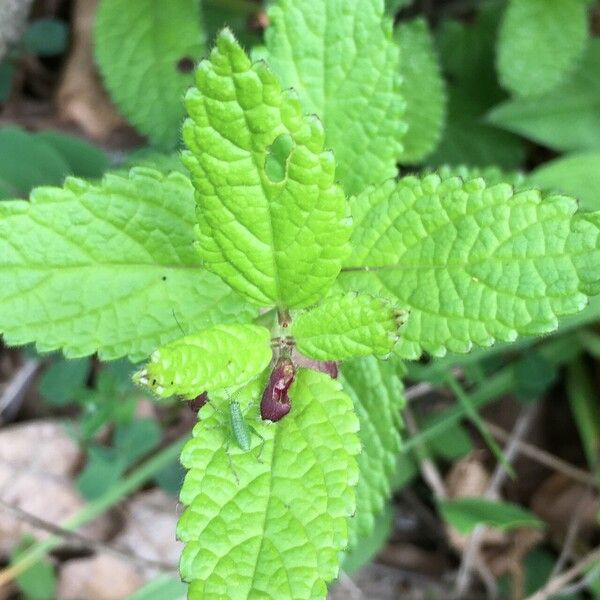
(107, 267)
(164, 587)
(365, 550)
(576, 174)
(28, 162)
(343, 62)
(277, 241)
(465, 514)
(423, 88)
(467, 53)
(7, 190)
(377, 394)
(165, 162)
(472, 264)
(539, 42)
(83, 159)
(220, 357)
(272, 521)
(46, 37)
(170, 478)
(491, 175)
(406, 471)
(451, 444)
(104, 468)
(566, 118)
(534, 374)
(64, 380)
(38, 582)
(536, 569)
(6, 75)
(135, 439)
(393, 6)
(146, 50)
(243, 17)
(583, 400)
(348, 326)
(469, 139)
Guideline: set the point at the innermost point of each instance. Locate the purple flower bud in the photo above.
(198, 402)
(275, 403)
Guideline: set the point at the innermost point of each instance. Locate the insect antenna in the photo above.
(177, 321)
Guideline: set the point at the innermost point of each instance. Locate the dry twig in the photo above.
(471, 553)
(86, 542)
(543, 457)
(557, 583)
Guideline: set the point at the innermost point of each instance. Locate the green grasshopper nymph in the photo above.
(238, 430)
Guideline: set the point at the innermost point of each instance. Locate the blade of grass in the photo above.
(558, 351)
(471, 412)
(584, 401)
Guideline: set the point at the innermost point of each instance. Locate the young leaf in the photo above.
(344, 64)
(348, 326)
(270, 522)
(423, 89)
(465, 514)
(566, 118)
(576, 174)
(472, 264)
(377, 394)
(146, 50)
(271, 217)
(107, 267)
(539, 42)
(210, 360)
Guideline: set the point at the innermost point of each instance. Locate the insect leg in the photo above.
(262, 444)
(227, 444)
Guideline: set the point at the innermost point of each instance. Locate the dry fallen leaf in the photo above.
(157, 542)
(101, 577)
(81, 99)
(37, 460)
(559, 500)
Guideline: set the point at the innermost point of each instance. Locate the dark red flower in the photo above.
(275, 403)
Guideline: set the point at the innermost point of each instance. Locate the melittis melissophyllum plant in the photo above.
(290, 248)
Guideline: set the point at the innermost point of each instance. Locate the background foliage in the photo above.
(441, 94)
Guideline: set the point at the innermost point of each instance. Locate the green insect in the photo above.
(239, 432)
(239, 427)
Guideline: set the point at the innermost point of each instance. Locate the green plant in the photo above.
(297, 248)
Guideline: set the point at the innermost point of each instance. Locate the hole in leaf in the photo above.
(279, 152)
(185, 64)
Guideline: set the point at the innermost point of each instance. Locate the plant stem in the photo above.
(113, 496)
